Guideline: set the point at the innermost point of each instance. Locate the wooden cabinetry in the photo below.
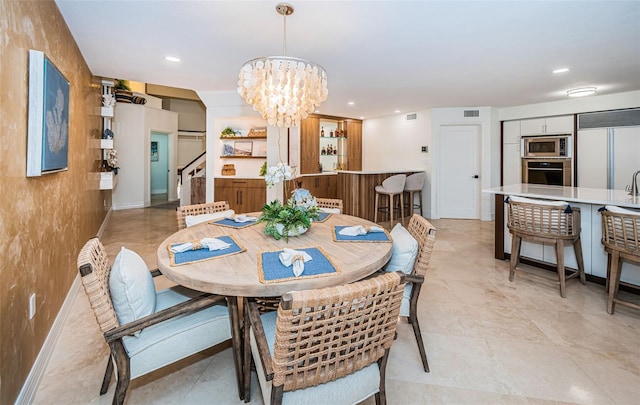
(323, 186)
(243, 195)
(354, 144)
(310, 145)
(549, 125)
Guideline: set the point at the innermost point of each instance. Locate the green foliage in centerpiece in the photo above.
(293, 217)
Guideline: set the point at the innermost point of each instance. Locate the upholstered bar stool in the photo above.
(552, 222)
(391, 187)
(413, 185)
(621, 240)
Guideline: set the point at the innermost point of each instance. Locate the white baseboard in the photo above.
(104, 223)
(29, 389)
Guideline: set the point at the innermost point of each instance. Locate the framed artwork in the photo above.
(154, 151)
(242, 148)
(48, 125)
(261, 149)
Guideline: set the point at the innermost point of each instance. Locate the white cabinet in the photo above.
(592, 158)
(549, 125)
(511, 161)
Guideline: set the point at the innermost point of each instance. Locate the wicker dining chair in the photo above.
(330, 204)
(328, 345)
(180, 322)
(425, 234)
(550, 222)
(199, 209)
(621, 240)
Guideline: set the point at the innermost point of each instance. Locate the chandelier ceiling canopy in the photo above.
(281, 88)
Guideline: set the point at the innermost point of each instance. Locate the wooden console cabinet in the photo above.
(243, 195)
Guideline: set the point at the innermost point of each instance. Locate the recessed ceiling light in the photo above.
(397, 111)
(361, 117)
(561, 70)
(581, 92)
(172, 59)
(351, 103)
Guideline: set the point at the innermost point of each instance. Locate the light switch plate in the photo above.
(425, 149)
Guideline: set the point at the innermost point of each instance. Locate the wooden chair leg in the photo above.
(516, 241)
(560, 260)
(375, 209)
(420, 199)
(246, 352)
(577, 246)
(381, 395)
(391, 199)
(402, 210)
(606, 283)
(107, 376)
(276, 394)
(123, 371)
(614, 283)
(236, 339)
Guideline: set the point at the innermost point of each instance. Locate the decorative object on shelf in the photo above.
(284, 90)
(108, 100)
(227, 132)
(123, 92)
(263, 169)
(228, 170)
(112, 160)
(242, 148)
(138, 100)
(227, 150)
(107, 134)
(48, 119)
(257, 133)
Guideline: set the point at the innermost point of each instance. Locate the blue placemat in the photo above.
(232, 224)
(322, 216)
(271, 270)
(191, 256)
(369, 237)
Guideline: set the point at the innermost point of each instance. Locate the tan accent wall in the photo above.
(45, 220)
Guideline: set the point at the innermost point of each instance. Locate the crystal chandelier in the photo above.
(283, 89)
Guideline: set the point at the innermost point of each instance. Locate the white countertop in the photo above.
(570, 194)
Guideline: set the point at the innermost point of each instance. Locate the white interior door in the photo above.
(459, 172)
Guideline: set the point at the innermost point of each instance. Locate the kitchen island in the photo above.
(589, 200)
(356, 189)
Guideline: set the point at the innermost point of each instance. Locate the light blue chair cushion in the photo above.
(179, 337)
(131, 287)
(351, 389)
(403, 251)
(406, 297)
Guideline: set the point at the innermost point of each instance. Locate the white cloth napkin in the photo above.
(290, 257)
(358, 230)
(209, 243)
(242, 218)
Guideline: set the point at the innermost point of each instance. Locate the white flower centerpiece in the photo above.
(292, 218)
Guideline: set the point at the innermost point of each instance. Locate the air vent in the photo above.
(471, 113)
(412, 116)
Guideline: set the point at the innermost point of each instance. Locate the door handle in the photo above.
(475, 176)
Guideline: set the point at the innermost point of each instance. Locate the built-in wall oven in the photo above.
(553, 172)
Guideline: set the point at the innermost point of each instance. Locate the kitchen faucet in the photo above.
(633, 190)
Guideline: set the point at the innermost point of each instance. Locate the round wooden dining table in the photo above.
(237, 275)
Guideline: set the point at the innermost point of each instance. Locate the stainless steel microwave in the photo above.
(559, 146)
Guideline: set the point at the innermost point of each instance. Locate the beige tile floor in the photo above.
(489, 341)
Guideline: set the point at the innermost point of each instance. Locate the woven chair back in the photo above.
(425, 233)
(543, 220)
(329, 203)
(199, 209)
(326, 334)
(94, 268)
(621, 232)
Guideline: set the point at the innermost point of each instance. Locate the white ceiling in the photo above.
(382, 55)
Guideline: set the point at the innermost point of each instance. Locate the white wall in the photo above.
(394, 143)
(132, 127)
